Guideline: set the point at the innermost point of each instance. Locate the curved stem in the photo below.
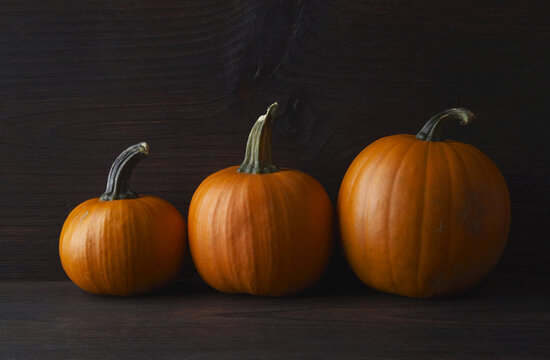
(118, 180)
(257, 159)
(432, 131)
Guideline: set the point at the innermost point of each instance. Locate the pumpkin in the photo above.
(123, 243)
(423, 216)
(260, 229)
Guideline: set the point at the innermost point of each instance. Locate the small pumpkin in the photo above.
(423, 216)
(260, 229)
(123, 243)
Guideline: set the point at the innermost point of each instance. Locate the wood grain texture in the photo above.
(504, 319)
(79, 82)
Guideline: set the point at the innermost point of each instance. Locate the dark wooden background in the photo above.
(81, 81)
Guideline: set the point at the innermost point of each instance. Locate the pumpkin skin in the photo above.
(263, 233)
(423, 218)
(122, 246)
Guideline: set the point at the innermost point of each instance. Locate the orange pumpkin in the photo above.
(122, 243)
(423, 216)
(259, 229)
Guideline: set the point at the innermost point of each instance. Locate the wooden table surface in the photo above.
(81, 81)
(506, 318)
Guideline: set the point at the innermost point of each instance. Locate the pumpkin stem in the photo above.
(257, 159)
(432, 131)
(118, 180)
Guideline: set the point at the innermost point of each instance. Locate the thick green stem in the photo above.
(118, 181)
(257, 159)
(432, 131)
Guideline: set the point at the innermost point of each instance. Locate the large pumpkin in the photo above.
(259, 229)
(422, 216)
(122, 243)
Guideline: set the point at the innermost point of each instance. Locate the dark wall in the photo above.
(81, 81)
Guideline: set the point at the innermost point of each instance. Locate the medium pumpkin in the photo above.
(259, 229)
(423, 216)
(123, 243)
